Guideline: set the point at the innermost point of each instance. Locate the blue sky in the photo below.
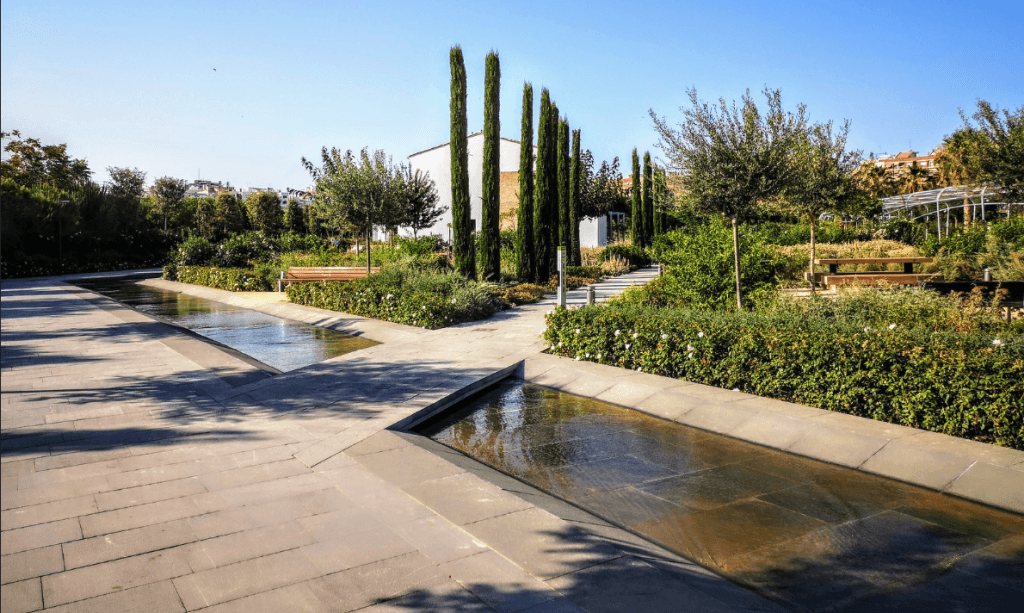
(133, 83)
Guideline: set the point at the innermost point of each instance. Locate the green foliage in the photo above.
(963, 385)
(564, 216)
(525, 255)
(402, 294)
(786, 234)
(294, 217)
(576, 178)
(647, 199)
(245, 249)
(462, 240)
(231, 279)
(490, 253)
(636, 209)
(32, 163)
(265, 214)
(545, 193)
(700, 270)
(193, 251)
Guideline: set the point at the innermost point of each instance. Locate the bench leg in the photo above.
(908, 268)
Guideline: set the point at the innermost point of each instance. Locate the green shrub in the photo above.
(245, 249)
(963, 385)
(700, 272)
(1010, 230)
(231, 279)
(403, 294)
(193, 251)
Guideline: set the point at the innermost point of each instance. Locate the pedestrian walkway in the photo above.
(144, 469)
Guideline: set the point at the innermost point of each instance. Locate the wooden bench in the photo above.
(907, 277)
(298, 274)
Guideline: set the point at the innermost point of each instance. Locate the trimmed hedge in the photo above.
(412, 302)
(231, 279)
(964, 385)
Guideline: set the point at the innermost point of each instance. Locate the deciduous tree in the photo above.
(733, 157)
(265, 214)
(169, 193)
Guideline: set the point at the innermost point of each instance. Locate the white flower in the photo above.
(689, 347)
(635, 335)
(423, 308)
(617, 332)
(997, 342)
(389, 296)
(892, 326)
(700, 335)
(599, 356)
(586, 355)
(577, 358)
(867, 329)
(664, 336)
(627, 345)
(559, 343)
(577, 330)
(690, 355)
(550, 311)
(453, 301)
(639, 369)
(735, 389)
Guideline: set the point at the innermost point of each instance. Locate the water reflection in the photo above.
(280, 343)
(810, 535)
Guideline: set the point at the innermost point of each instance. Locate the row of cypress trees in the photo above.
(646, 222)
(549, 191)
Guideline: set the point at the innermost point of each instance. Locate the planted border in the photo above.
(970, 386)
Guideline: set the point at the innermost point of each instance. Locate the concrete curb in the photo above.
(345, 323)
(976, 471)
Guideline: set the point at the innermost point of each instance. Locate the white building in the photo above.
(436, 161)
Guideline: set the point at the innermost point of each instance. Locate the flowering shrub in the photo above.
(231, 279)
(965, 385)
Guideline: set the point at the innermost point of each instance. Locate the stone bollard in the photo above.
(591, 295)
(988, 275)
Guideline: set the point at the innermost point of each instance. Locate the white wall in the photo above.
(594, 231)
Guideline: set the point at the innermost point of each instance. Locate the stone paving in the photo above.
(146, 470)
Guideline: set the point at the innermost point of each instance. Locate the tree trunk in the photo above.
(736, 261)
(369, 239)
(813, 220)
(968, 213)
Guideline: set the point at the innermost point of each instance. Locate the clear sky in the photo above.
(241, 91)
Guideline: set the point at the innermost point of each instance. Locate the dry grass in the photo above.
(797, 257)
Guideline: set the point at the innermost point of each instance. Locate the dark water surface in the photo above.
(810, 535)
(285, 345)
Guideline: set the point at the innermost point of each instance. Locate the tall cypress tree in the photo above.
(659, 201)
(490, 254)
(636, 212)
(574, 198)
(525, 255)
(554, 223)
(462, 235)
(648, 199)
(542, 203)
(564, 221)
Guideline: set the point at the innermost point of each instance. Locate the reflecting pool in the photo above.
(283, 344)
(810, 535)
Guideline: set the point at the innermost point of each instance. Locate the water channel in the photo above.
(280, 343)
(809, 535)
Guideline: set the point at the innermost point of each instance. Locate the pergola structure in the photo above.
(919, 205)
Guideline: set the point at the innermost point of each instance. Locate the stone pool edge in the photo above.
(976, 471)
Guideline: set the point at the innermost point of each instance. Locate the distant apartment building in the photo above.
(905, 159)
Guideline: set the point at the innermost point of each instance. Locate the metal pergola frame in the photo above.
(943, 200)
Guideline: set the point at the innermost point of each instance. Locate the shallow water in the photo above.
(812, 536)
(285, 345)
